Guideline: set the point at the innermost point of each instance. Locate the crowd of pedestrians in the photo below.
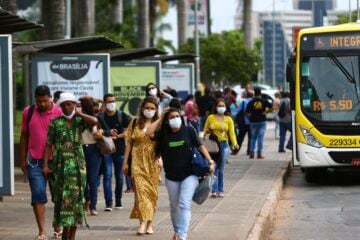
(59, 145)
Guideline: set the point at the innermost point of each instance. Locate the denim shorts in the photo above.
(37, 181)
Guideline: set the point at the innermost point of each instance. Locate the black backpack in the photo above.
(240, 116)
(282, 110)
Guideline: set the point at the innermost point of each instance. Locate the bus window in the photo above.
(330, 87)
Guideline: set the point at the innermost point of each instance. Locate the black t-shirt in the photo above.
(257, 109)
(205, 103)
(112, 122)
(175, 151)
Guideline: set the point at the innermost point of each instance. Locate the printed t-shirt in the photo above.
(175, 152)
(257, 109)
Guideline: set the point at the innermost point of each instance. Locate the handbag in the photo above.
(203, 190)
(106, 145)
(211, 144)
(200, 166)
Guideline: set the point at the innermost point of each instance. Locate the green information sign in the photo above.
(128, 81)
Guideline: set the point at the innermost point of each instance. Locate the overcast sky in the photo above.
(223, 13)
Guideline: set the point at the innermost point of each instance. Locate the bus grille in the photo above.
(336, 130)
(344, 157)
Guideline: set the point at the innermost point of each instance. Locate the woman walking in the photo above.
(144, 165)
(174, 142)
(221, 125)
(93, 158)
(68, 173)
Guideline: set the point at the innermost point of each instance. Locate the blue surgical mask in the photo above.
(175, 123)
(221, 110)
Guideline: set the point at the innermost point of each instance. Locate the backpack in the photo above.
(282, 110)
(240, 116)
(29, 116)
(119, 115)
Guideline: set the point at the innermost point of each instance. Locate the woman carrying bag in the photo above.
(144, 165)
(174, 142)
(221, 125)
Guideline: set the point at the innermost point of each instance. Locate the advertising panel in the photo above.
(128, 81)
(6, 119)
(85, 74)
(179, 77)
(202, 11)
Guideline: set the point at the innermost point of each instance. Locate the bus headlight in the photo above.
(309, 138)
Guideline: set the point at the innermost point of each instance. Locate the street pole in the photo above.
(349, 11)
(67, 19)
(197, 47)
(273, 45)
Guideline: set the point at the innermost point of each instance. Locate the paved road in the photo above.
(329, 209)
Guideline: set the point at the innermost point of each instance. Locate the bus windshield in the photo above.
(330, 88)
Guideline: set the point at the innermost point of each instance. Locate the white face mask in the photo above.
(111, 107)
(149, 113)
(68, 117)
(153, 92)
(175, 123)
(221, 110)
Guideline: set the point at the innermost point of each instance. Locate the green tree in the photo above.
(225, 58)
(344, 18)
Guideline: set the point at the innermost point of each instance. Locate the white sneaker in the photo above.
(108, 209)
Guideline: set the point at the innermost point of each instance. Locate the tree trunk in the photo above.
(118, 13)
(85, 18)
(143, 23)
(152, 21)
(53, 18)
(182, 23)
(246, 26)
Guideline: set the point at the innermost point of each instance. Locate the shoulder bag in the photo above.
(211, 144)
(203, 190)
(105, 144)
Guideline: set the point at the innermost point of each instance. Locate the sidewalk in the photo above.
(248, 185)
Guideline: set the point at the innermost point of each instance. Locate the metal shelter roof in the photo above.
(73, 45)
(131, 54)
(168, 58)
(10, 23)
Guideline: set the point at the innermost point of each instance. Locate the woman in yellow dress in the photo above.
(144, 165)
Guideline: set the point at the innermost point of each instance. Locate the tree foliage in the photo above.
(225, 58)
(344, 18)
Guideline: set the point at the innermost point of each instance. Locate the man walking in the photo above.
(114, 124)
(285, 122)
(34, 127)
(256, 110)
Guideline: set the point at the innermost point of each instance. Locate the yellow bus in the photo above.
(324, 77)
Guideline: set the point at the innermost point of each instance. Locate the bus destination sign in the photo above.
(337, 42)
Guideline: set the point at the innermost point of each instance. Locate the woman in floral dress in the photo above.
(68, 176)
(144, 165)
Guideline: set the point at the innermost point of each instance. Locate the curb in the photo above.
(264, 221)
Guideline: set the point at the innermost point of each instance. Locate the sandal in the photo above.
(57, 235)
(41, 237)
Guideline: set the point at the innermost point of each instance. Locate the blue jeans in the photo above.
(257, 135)
(93, 161)
(180, 196)
(277, 126)
(218, 185)
(37, 180)
(283, 128)
(109, 161)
